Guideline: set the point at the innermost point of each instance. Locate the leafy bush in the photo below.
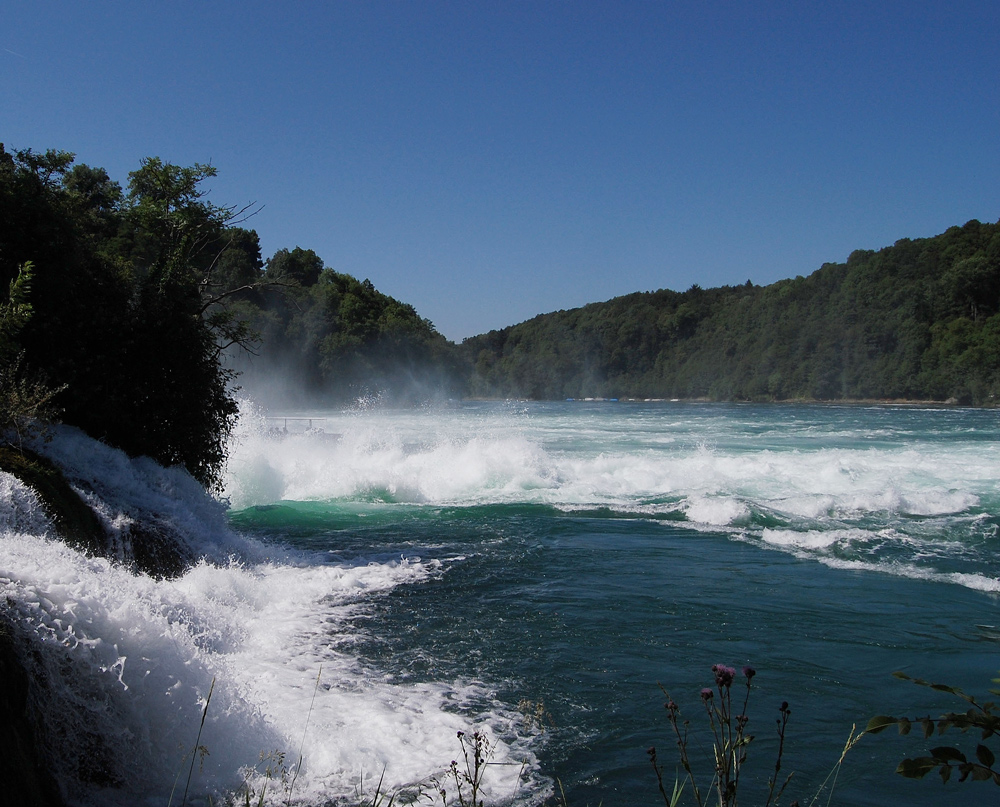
(117, 321)
(946, 759)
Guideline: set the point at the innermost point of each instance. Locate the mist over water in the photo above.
(386, 578)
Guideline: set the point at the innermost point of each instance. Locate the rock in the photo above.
(24, 769)
(149, 546)
(78, 525)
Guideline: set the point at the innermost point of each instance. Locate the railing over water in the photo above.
(298, 425)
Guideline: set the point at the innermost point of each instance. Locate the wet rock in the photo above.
(24, 769)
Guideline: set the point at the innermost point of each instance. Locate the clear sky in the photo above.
(489, 161)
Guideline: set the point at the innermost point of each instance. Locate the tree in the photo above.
(125, 314)
(302, 266)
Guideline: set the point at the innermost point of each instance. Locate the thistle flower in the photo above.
(749, 672)
(723, 675)
(706, 694)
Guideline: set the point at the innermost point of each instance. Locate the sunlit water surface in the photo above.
(574, 556)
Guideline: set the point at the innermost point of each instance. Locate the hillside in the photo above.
(917, 320)
(327, 337)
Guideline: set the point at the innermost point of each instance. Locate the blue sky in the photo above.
(489, 161)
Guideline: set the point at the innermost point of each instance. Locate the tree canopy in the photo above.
(123, 307)
(918, 320)
(118, 297)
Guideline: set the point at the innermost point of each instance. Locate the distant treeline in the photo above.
(917, 320)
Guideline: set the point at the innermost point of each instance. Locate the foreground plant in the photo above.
(730, 743)
(468, 777)
(945, 758)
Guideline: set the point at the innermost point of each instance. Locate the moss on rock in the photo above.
(77, 524)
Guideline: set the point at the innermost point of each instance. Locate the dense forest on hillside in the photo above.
(917, 320)
(327, 337)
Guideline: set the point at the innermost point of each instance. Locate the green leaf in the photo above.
(948, 754)
(928, 726)
(945, 772)
(916, 768)
(985, 755)
(880, 723)
(981, 774)
(950, 690)
(904, 725)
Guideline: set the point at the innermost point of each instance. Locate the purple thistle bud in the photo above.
(749, 672)
(723, 675)
(706, 694)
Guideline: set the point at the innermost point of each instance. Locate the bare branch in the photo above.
(257, 284)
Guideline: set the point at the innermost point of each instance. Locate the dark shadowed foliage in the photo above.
(118, 295)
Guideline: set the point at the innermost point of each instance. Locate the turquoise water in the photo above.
(574, 556)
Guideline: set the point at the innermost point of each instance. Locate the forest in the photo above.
(135, 313)
(919, 320)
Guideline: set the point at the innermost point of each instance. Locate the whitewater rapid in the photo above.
(911, 496)
(127, 662)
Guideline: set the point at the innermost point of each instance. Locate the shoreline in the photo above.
(951, 403)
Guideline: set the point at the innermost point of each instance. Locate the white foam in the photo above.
(811, 540)
(458, 458)
(809, 478)
(716, 511)
(977, 582)
(131, 660)
(122, 490)
(22, 512)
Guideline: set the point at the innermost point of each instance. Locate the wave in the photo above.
(123, 664)
(442, 461)
(741, 477)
